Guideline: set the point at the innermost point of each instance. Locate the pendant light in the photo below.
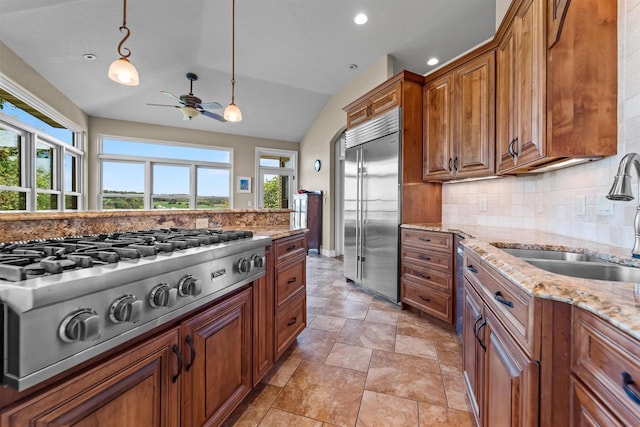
(232, 113)
(121, 70)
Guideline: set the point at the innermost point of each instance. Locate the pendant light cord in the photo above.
(233, 51)
(126, 36)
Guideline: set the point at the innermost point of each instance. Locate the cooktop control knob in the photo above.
(127, 308)
(189, 286)
(83, 325)
(258, 261)
(244, 265)
(163, 295)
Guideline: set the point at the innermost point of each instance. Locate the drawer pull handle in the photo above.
(472, 269)
(629, 386)
(475, 324)
(290, 281)
(425, 299)
(482, 325)
(425, 258)
(424, 239)
(500, 299)
(292, 321)
(193, 353)
(290, 248)
(176, 350)
(425, 277)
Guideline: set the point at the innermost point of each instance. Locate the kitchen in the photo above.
(545, 202)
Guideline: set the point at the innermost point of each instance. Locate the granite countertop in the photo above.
(616, 302)
(274, 233)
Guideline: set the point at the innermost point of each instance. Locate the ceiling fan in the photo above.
(190, 105)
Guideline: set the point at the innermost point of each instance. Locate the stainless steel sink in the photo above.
(577, 265)
(557, 255)
(589, 270)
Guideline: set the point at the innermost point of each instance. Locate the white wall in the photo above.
(548, 202)
(318, 141)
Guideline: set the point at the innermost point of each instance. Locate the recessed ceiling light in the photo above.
(353, 66)
(433, 61)
(89, 56)
(361, 19)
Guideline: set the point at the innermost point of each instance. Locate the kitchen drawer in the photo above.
(289, 248)
(513, 307)
(432, 302)
(290, 278)
(386, 100)
(291, 319)
(430, 278)
(600, 355)
(442, 242)
(587, 410)
(427, 259)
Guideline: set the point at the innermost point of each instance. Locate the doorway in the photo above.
(338, 193)
(276, 172)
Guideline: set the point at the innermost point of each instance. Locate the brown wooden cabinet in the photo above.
(307, 213)
(427, 272)
(219, 376)
(290, 291)
(460, 120)
(421, 201)
(560, 102)
(263, 318)
(606, 373)
(472, 350)
(134, 388)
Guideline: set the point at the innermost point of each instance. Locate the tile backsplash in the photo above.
(570, 201)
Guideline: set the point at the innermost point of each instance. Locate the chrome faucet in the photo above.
(621, 190)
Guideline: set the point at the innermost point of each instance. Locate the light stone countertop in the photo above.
(616, 302)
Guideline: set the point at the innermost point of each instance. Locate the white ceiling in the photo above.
(291, 55)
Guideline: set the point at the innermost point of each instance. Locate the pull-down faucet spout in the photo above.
(621, 190)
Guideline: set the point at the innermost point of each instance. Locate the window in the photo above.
(276, 177)
(156, 175)
(40, 159)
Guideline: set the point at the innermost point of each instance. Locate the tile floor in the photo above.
(361, 361)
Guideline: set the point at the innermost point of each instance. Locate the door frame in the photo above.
(260, 171)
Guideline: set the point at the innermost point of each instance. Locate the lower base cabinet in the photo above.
(135, 388)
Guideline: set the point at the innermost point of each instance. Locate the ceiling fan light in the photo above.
(189, 112)
(232, 113)
(122, 71)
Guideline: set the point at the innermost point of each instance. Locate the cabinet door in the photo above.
(132, 389)
(586, 409)
(474, 118)
(438, 160)
(263, 317)
(506, 112)
(530, 71)
(472, 352)
(511, 387)
(386, 100)
(358, 115)
(219, 376)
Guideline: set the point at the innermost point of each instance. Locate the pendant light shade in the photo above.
(121, 70)
(232, 113)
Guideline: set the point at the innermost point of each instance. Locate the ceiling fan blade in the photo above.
(164, 105)
(211, 105)
(172, 96)
(213, 115)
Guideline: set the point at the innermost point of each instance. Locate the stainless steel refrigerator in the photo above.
(372, 204)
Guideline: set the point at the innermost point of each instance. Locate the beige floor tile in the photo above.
(379, 336)
(414, 346)
(330, 292)
(278, 418)
(254, 407)
(449, 357)
(438, 416)
(382, 316)
(350, 356)
(328, 323)
(314, 301)
(313, 344)
(280, 374)
(384, 305)
(390, 411)
(323, 392)
(456, 392)
(422, 329)
(406, 376)
(348, 309)
(359, 296)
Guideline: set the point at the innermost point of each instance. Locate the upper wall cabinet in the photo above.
(377, 104)
(556, 83)
(459, 121)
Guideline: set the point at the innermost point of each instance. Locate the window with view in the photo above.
(154, 175)
(39, 160)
